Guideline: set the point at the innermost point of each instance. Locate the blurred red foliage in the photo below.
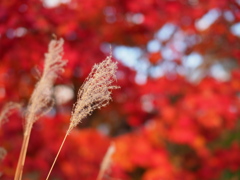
(171, 127)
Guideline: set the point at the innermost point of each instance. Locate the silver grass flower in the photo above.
(7, 110)
(41, 100)
(95, 91)
(93, 94)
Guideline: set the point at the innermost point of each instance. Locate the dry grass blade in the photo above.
(7, 110)
(41, 100)
(3, 153)
(106, 161)
(94, 93)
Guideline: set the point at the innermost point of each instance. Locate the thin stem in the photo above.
(56, 156)
(106, 161)
(101, 173)
(22, 156)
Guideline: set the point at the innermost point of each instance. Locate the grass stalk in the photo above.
(106, 162)
(100, 175)
(57, 156)
(22, 156)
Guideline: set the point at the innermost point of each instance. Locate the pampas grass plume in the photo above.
(94, 93)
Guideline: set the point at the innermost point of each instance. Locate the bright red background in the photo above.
(169, 128)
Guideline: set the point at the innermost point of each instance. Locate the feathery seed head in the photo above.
(95, 91)
(41, 100)
(3, 153)
(7, 109)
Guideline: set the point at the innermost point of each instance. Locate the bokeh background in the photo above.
(176, 116)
